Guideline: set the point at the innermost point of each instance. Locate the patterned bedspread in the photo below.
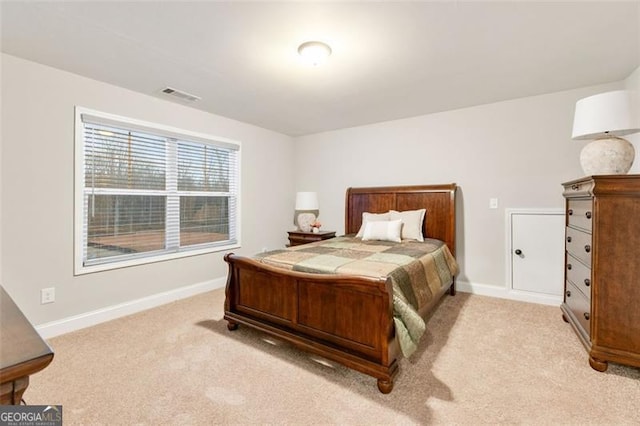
(418, 270)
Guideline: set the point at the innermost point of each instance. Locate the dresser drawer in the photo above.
(579, 213)
(579, 275)
(578, 244)
(579, 306)
(578, 189)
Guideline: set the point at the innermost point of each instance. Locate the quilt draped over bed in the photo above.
(418, 270)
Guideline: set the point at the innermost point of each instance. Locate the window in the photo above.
(146, 192)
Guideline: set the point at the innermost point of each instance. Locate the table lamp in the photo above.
(306, 210)
(604, 118)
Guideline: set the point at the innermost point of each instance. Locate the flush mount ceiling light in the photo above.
(314, 52)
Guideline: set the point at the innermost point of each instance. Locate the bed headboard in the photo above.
(439, 200)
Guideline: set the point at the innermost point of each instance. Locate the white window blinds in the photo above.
(148, 192)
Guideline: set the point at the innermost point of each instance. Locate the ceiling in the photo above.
(390, 59)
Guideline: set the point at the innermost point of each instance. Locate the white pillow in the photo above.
(371, 217)
(385, 231)
(412, 221)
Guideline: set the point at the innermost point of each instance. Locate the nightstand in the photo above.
(297, 238)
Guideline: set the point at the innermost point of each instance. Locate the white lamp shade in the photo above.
(307, 201)
(607, 114)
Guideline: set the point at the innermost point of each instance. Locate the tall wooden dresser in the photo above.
(602, 267)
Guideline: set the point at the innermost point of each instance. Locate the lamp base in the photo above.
(305, 220)
(607, 156)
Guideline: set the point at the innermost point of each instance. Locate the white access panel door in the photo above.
(537, 252)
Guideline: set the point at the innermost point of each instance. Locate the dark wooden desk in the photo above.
(22, 351)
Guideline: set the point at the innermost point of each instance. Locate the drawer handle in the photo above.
(569, 239)
(570, 212)
(575, 187)
(569, 266)
(586, 316)
(588, 215)
(568, 293)
(587, 248)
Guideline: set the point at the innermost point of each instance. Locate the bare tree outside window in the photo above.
(147, 193)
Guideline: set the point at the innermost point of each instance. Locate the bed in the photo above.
(347, 318)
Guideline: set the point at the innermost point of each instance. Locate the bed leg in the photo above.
(385, 386)
(452, 289)
(232, 325)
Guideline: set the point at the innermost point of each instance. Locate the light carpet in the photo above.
(482, 361)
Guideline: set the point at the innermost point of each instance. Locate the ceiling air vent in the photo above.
(180, 94)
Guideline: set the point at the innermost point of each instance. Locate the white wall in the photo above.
(37, 191)
(519, 151)
(633, 83)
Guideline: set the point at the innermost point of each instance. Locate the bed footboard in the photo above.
(321, 314)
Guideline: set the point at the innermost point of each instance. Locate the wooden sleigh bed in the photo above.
(345, 318)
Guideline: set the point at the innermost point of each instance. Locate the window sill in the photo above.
(82, 269)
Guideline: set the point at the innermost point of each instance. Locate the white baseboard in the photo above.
(507, 293)
(87, 319)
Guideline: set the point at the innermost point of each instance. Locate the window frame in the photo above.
(79, 191)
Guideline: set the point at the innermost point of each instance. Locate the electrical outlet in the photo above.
(47, 295)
